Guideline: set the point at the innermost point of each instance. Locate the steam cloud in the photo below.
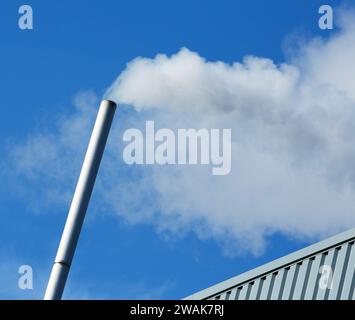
(293, 150)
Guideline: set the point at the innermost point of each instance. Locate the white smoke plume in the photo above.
(293, 155)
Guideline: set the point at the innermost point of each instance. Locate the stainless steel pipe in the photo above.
(80, 201)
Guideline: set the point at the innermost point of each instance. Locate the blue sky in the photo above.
(76, 47)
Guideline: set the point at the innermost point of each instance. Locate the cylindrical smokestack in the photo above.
(80, 201)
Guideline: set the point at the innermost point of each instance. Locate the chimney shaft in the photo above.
(80, 201)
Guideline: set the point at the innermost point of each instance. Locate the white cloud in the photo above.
(293, 153)
(49, 159)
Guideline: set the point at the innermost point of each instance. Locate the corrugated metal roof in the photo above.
(323, 271)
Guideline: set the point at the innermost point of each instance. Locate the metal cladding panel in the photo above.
(301, 280)
(348, 284)
(323, 271)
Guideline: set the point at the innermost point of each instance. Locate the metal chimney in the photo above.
(80, 201)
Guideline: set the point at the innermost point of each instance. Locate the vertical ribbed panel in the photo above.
(254, 293)
(237, 293)
(243, 293)
(313, 277)
(349, 274)
(303, 279)
(291, 271)
(265, 289)
(322, 291)
(231, 294)
(279, 284)
(339, 272)
(223, 296)
(228, 295)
